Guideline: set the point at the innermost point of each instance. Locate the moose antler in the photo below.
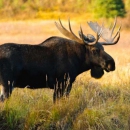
(107, 32)
(65, 32)
(72, 36)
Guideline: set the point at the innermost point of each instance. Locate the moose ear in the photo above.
(84, 37)
(89, 37)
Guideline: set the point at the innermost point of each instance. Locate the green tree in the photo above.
(109, 8)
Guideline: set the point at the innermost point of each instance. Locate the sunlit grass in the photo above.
(92, 105)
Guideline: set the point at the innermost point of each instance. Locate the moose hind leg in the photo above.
(2, 94)
(4, 91)
(56, 92)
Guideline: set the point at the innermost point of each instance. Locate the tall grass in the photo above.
(91, 105)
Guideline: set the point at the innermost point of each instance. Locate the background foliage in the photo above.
(22, 9)
(109, 8)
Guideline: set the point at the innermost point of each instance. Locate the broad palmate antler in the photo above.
(107, 32)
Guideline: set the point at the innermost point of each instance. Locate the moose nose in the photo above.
(110, 65)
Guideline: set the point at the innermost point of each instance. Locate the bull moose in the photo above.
(56, 59)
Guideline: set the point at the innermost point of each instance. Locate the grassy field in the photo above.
(102, 104)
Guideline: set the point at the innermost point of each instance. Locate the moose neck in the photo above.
(84, 63)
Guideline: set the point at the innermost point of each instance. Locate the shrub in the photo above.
(109, 8)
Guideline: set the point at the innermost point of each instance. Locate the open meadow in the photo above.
(102, 104)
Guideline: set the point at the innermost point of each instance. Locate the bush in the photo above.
(109, 8)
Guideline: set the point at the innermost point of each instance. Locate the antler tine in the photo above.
(100, 28)
(110, 26)
(113, 42)
(113, 26)
(61, 28)
(71, 29)
(117, 32)
(100, 31)
(116, 39)
(81, 32)
(62, 25)
(65, 32)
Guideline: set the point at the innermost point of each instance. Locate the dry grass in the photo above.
(93, 104)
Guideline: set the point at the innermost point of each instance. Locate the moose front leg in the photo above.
(11, 86)
(58, 90)
(68, 89)
(68, 84)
